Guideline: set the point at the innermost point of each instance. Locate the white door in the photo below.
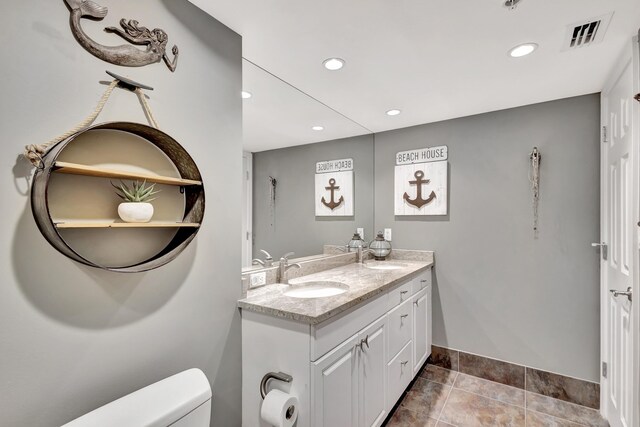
(247, 208)
(420, 330)
(335, 386)
(373, 379)
(619, 230)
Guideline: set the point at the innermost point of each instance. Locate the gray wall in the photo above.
(295, 226)
(72, 337)
(499, 292)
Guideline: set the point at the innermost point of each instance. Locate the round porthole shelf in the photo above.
(75, 206)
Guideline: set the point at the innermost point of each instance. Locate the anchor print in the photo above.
(332, 187)
(419, 182)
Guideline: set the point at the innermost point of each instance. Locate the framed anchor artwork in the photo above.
(334, 188)
(421, 182)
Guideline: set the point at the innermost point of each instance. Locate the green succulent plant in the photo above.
(137, 193)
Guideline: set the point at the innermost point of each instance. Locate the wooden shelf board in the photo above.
(114, 224)
(78, 169)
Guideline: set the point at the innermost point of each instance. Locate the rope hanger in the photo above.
(35, 152)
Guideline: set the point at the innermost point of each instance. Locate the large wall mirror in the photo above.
(281, 153)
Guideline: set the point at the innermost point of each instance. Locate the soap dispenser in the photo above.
(380, 247)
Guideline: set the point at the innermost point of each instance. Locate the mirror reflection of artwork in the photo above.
(334, 194)
(421, 189)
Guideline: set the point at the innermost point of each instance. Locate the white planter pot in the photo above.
(135, 211)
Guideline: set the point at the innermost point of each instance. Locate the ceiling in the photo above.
(279, 115)
(434, 60)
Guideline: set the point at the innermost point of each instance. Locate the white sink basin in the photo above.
(316, 289)
(384, 265)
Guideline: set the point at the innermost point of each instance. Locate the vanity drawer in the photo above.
(421, 282)
(399, 374)
(399, 295)
(400, 321)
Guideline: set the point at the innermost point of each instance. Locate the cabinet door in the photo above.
(420, 329)
(373, 381)
(335, 386)
(429, 319)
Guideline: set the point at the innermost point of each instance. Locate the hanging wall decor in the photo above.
(421, 182)
(334, 188)
(534, 177)
(73, 201)
(155, 41)
(273, 184)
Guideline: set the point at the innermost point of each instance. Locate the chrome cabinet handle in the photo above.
(627, 294)
(417, 303)
(423, 281)
(402, 316)
(402, 294)
(404, 363)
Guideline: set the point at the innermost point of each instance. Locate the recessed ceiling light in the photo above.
(317, 128)
(393, 112)
(333, 64)
(245, 95)
(523, 50)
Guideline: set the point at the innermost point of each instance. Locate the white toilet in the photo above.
(182, 400)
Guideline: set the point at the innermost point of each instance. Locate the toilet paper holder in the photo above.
(280, 376)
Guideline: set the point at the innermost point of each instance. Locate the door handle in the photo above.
(626, 293)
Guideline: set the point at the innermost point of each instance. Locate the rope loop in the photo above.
(35, 152)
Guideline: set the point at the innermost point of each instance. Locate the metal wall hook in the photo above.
(128, 84)
(280, 376)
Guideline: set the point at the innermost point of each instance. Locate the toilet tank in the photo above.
(182, 400)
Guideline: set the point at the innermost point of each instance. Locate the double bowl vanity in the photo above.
(352, 338)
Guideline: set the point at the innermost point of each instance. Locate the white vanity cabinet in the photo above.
(421, 306)
(349, 382)
(349, 370)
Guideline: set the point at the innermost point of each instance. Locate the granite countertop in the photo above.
(364, 283)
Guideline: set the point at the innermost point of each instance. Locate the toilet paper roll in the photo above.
(279, 409)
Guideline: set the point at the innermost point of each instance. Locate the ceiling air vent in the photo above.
(586, 33)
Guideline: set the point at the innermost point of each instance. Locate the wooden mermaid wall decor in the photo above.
(129, 56)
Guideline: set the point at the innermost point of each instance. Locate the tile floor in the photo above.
(443, 398)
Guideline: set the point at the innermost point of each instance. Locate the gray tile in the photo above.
(493, 390)
(465, 409)
(565, 410)
(444, 357)
(536, 419)
(492, 369)
(426, 397)
(438, 375)
(572, 390)
(404, 417)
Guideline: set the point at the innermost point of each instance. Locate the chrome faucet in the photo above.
(361, 252)
(268, 261)
(284, 267)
